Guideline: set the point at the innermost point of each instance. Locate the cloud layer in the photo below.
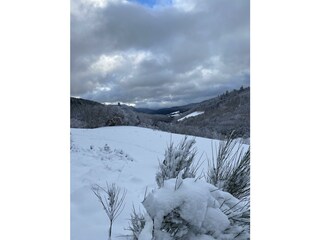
(173, 53)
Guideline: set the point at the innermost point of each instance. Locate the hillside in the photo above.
(90, 114)
(219, 116)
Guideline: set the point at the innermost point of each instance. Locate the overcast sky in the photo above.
(158, 53)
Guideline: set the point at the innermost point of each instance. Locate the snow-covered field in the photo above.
(127, 156)
(190, 115)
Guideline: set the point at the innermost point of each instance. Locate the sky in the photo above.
(158, 53)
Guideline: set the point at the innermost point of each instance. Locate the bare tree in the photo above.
(112, 200)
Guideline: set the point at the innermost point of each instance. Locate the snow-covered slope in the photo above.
(127, 156)
(190, 115)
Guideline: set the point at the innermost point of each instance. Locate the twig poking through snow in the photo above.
(112, 201)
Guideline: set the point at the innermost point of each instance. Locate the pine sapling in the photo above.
(177, 159)
(112, 201)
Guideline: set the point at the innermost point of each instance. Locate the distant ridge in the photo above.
(181, 109)
(228, 112)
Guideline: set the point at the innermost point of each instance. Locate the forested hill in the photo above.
(221, 115)
(214, 117)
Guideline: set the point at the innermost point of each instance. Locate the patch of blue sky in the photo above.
(152, 3)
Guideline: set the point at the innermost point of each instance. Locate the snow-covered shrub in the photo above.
(106, 148)
(177, 159)
(230, 169)
(194, 210)
(137, 223)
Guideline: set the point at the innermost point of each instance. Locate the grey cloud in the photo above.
(181, 44)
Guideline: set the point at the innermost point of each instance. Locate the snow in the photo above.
(175, 114)
(128, 157)
(199, 204)
(190, 115)
(196, 202)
